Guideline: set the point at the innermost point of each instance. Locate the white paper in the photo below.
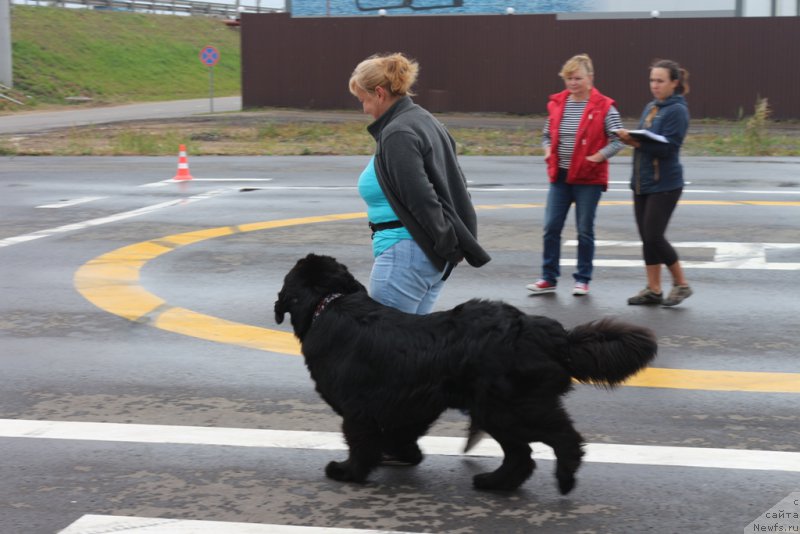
(647, 134)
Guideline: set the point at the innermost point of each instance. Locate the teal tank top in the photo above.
(379, 210)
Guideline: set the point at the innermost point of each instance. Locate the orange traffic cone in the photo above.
(183, 165)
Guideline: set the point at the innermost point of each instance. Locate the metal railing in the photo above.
(184, 7)
(7, 93)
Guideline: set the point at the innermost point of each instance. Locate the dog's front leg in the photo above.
(364, 443)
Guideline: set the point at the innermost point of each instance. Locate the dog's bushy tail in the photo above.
(608, 351)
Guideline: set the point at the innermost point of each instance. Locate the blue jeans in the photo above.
(404, 278)
(559, 198)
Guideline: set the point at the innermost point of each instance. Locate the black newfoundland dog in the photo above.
(390, 374)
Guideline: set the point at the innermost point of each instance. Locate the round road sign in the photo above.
(209, 56)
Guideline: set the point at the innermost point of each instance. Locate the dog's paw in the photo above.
(342, 472)
(508, 477)
(566, 482)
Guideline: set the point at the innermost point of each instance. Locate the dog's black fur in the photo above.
(390, 374)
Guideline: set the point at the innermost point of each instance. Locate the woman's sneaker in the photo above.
(580, 288)
(677, 295)
(646, 296)
(541, 287)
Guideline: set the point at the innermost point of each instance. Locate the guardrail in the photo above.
(185, 7)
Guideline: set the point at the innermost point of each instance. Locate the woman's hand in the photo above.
(597, 157)
(626, 138)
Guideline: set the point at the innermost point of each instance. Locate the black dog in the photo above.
(390, 374)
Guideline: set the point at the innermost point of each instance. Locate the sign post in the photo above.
(6, 77)
(209, 56)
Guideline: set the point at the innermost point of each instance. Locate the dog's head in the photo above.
(307, 283)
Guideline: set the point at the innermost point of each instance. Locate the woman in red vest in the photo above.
(578, 140)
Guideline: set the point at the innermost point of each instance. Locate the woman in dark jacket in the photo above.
(419, 209)
(657, 180)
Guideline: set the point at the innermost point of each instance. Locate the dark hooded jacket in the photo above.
(415, 160)
(656, 166)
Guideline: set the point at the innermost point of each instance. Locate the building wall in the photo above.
(339, 8)
(510, 63)
(602, 8)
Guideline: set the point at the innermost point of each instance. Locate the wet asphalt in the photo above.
(65, 359)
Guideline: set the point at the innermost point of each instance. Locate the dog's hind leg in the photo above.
(567, 445)
(516, 468)
(364, 443)
(400, 446)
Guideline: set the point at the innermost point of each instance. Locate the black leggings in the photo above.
(652, 216)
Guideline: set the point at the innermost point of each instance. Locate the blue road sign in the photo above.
(209, 56)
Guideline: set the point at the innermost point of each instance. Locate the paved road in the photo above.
(144, 376)
(37, 121)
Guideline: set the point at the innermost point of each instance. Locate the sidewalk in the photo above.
(40, 121)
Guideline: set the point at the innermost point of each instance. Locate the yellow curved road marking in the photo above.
(111, 282)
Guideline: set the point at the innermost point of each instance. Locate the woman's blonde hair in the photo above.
(575, 63)
(394, 72)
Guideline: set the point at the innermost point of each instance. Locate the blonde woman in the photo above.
(578, 140)
(419, 209)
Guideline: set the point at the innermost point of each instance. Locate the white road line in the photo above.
(228, 180)
(68, 203)
(106, 220)
(727, 255)
(447, 446)
(163, 183)
(107, 524)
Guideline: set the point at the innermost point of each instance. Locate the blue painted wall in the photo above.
(346, 8)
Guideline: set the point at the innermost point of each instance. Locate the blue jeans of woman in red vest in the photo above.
(559, 199)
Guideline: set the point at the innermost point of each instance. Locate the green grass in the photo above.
(119, 57)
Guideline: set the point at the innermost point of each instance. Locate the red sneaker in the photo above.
(541, 287)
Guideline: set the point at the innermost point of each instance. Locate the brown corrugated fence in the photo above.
(509, 63)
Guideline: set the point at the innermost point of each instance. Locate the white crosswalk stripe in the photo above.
(440, 445)
(108, 524)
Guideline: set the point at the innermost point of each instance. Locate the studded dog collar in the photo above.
(324, 304)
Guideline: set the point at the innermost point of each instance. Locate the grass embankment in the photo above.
(115, 57)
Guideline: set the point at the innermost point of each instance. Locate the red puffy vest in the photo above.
(590, 137)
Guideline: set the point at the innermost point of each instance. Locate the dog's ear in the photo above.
(283, 305)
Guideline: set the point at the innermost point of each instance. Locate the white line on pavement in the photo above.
(107, 524)
(164, 183)
(68, 203)
(105, 220)
(448, 446)
(727, 255)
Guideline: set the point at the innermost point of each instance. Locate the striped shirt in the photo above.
(573, 112)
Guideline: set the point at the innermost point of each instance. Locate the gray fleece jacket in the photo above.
(415, 160)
